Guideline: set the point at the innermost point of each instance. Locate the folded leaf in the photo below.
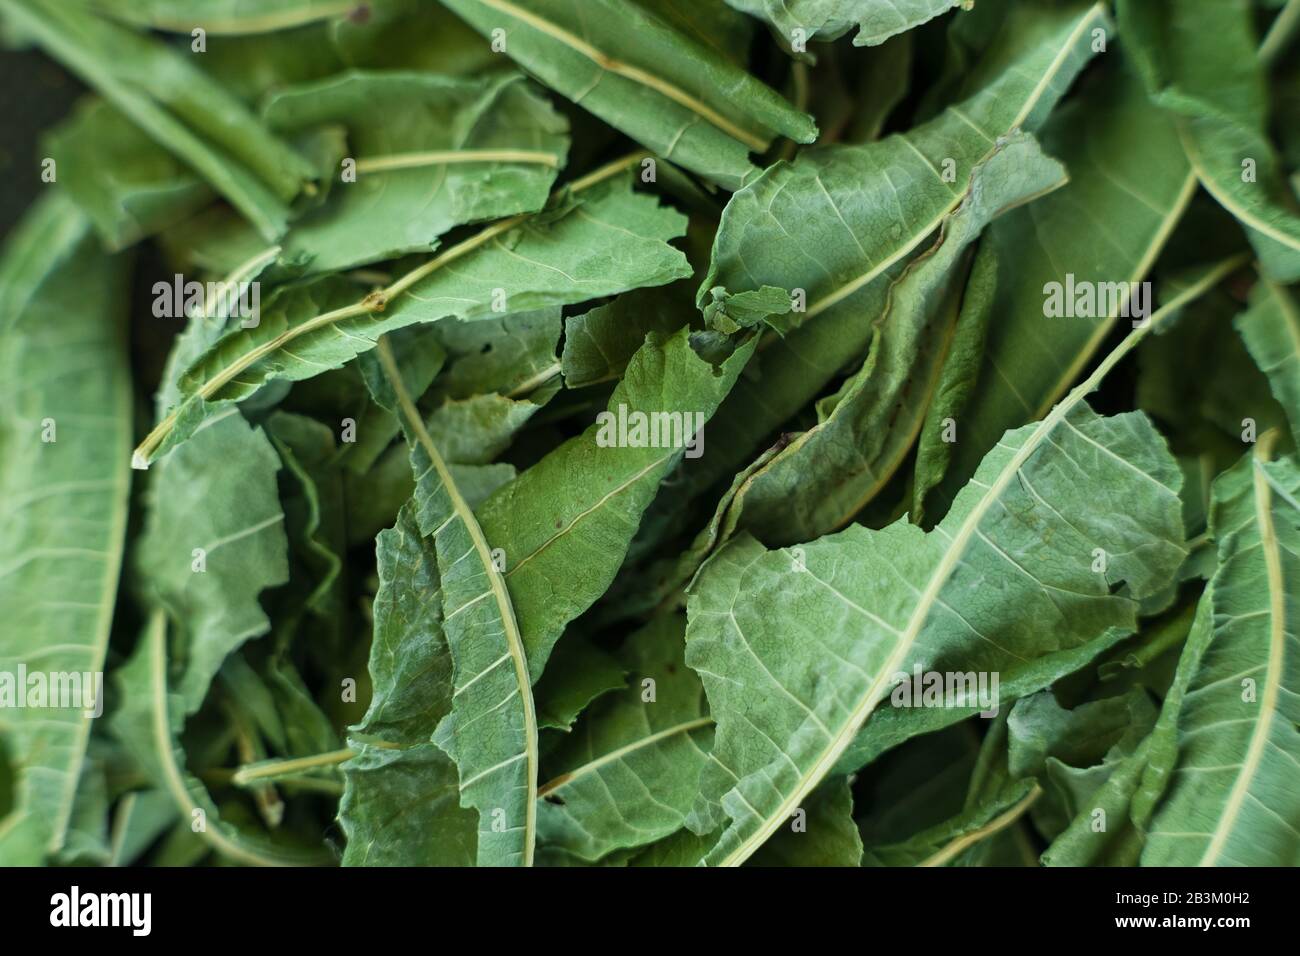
(65, 387)
(1129, 184)
(401, 801)
(643, 76)
(840, 224)
(826, 475)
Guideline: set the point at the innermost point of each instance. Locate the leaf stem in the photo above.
(276, 768)
(1280, 34)
(535, 381)
(998, 823)
(447, 157)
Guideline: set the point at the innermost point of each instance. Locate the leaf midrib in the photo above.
(564, 779)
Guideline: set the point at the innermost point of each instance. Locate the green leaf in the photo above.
(945, 843)
(1199, 59)
(65, 386)
(826, 475)
(888, 727)
(603, 243)
(1006, 532)
(142, 816)
(1199, 381)
(228, 17)
(822, 834)
(580, 672)
(643, 76)
(876, 20)
(127, 184)
(1231, 799)
(213, 541)
(492, 691)
(401, 802)
(628, 773)
(176, 104)
(314, 512)
(565, 524)
(598, 344)
(147, 724)
(465, 151)
(1129, 184)
(511, 355)
(840, 224)
(1271, 328)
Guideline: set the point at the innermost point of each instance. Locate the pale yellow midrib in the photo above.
(564, 779)
(509, 626)
(626, 70)
(998, 823)
(951, 558)
(1276, 652)
(451, 157)
(1100, 334)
